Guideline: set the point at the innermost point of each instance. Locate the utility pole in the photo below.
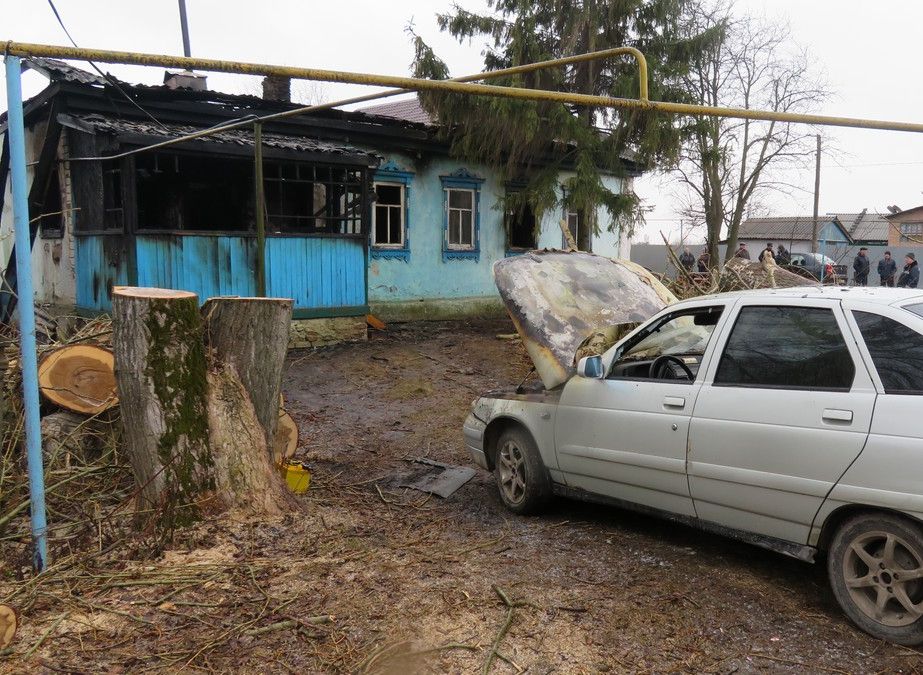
(816, 198)
(184, 24)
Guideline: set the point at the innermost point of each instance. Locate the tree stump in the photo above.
(193, 425)
(161, 378)
(251, 334)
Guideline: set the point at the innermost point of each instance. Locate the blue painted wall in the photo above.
(100, 265)
(317, 272)
(424, 274)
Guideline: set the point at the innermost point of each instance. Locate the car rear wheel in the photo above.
(520, 473)
(875, 566)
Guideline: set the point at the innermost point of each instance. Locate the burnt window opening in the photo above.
(113, 212)
(520, 227)
(51, 223)
(193, 193)
(313, 199)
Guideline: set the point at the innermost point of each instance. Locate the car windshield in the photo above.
(687, 333)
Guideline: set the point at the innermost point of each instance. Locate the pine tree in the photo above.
(534, 141)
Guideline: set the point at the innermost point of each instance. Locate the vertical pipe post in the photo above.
(260, 210)
(816, 199)
(184, 25)
(26, 307)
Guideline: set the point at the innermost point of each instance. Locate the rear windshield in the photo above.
(916, 309)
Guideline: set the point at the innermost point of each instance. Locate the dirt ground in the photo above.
(374, 577)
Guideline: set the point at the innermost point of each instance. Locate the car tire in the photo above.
(875, 567)
(521, 476)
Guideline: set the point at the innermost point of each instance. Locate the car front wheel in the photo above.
(520, 473)
(875, 566)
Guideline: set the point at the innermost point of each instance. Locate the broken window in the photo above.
(52, 217)
(520, 227)
(388, 215)
(194, 193)
(576, 227)
(460, 218)
(313, 199)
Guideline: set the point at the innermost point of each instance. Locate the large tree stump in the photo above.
(192, 422)
(161, 377)
(251, 334)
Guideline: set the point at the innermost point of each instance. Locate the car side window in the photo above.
(683, 336)
(786, 348)
(896, 350)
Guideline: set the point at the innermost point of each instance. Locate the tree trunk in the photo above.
(161, 377)
(246, 479)
(251, 334)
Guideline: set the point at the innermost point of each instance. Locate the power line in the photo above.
(101, 73)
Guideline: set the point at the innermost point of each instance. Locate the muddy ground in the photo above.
(374, 577)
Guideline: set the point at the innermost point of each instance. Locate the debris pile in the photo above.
(86, 477)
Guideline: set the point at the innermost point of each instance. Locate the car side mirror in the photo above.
(590, 366)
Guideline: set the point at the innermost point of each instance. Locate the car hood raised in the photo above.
(556, 299)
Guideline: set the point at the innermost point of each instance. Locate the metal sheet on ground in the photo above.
(443, 481)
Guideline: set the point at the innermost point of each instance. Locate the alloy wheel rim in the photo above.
(511, 463)
(884, 576)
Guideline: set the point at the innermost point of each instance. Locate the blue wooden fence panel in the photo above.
(317, 272)
(100, 264)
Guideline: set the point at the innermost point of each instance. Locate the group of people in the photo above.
(887, 270)
(887, 266)
(688, 260)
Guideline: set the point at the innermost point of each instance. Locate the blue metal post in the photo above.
(26, 307)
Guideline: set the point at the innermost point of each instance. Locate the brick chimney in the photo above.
(185, 79)
(277, 88)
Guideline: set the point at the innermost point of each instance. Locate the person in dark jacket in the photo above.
(704, 259)
(860, 267)
(742, 252)
(911, 274)
(783, 257)
(887, 268)
(767, 251)
(687, 260)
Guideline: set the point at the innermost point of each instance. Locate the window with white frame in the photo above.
(460, 218)
(388, 215)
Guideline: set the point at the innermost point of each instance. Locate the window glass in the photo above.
(388, 213)
(896, 350)
(916, 309)
(460, 218)
(684, 335)
(786, 347)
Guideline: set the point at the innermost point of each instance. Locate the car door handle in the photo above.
(674, 402)
(834, 415)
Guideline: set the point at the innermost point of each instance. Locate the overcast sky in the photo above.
(870, 53)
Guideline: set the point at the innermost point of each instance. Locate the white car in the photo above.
(791, 419)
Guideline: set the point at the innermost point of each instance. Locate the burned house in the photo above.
(364, 210)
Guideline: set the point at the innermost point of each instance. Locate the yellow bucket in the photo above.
(296, 476)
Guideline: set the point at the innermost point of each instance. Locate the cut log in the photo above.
(80, 378)
(286, 441)
(246, 480)
(252, 335)
(9, 622)
(161, 377)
